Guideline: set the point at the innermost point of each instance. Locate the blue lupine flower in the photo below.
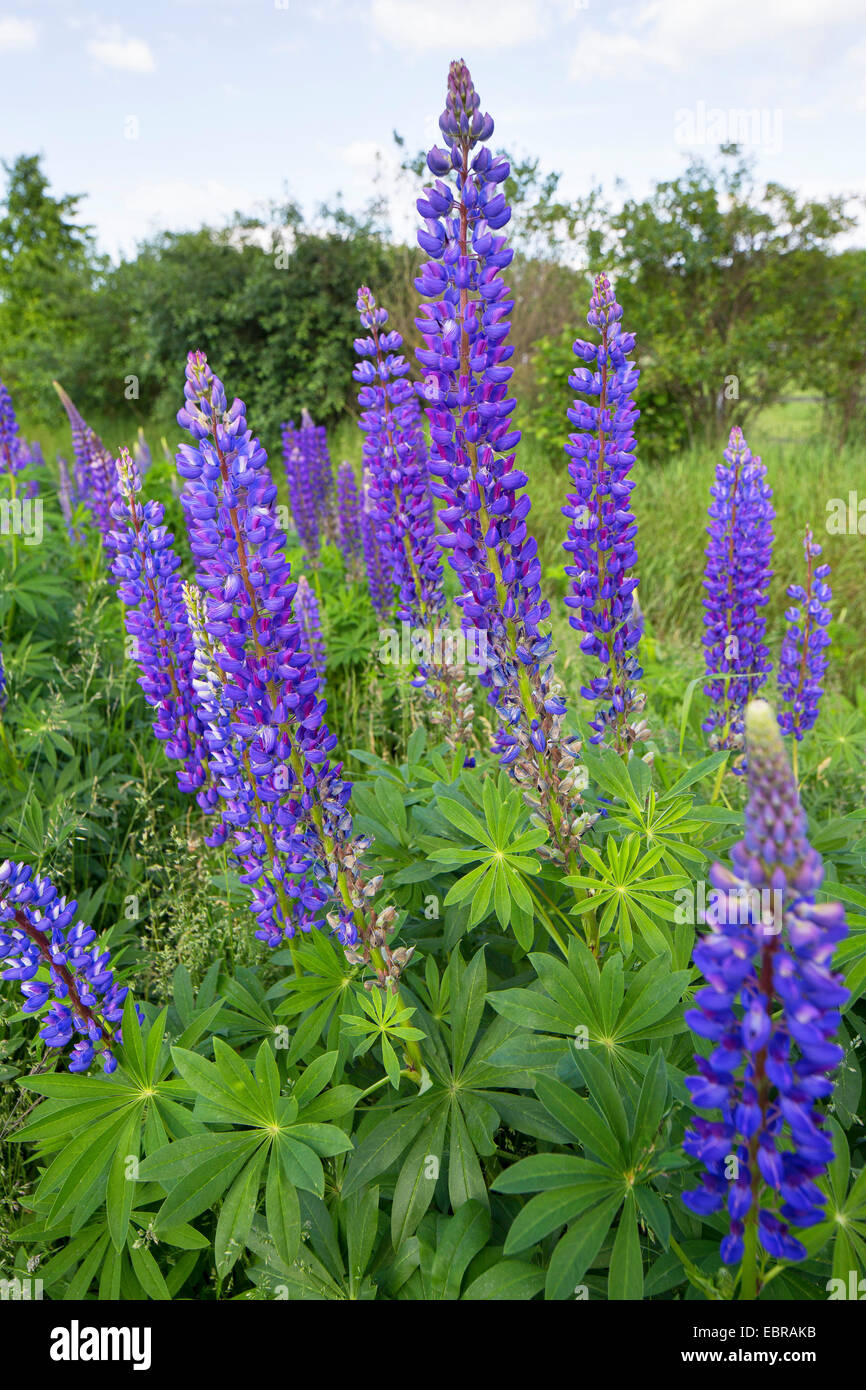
(302, 489)
(349, 520)
(316, 449)
(395, 458)
(146, 568)
(95, 470)
(377, 560)
(37, 935)
(771, 1009)
(285, 802)
(466, 363)
(736, 581)
(14, 454)
(803, 661)
(307, 609)
(602, 529)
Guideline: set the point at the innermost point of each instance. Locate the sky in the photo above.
(173, 113)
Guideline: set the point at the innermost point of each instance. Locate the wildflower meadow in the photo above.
(432, 858)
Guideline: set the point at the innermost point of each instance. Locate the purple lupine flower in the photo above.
(307, 609)
(315, 447)
(285, 803)
(803, 660)
(67, 495)
(302, 488)
(377, 561)
(485, 511)
(349, 520)
(13, 452)
(771, 1009)
(395, 458)
(602, 529)
(736, 581)
(83, 998)
(95, 470)
(146, 568)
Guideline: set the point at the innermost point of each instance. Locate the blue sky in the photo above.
(233, 103)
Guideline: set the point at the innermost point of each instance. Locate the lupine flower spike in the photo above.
(307, 609)
(771, 1012)
(38, 932)
(736, 582)
(376, 561)
(349, 521)
(95, 472)
(400, 504)
(285, 802)
(146, 568)
(465, 359)
(602, 529)
(803, 661)
(14, 454)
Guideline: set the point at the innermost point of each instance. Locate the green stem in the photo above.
(749, 1267)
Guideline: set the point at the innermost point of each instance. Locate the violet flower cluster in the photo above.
(736, 581)
(771, 1012)
(146, 567)
(39, 933)
(310, 480)
(284, 802)
(309, 618)
(349, 520)
(14, 454)
(803, 660)
(395, 459)
(467, 373)
(602, 527)
(377, 560)
(95, 471)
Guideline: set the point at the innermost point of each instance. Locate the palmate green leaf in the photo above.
(416, 1182)
(362, 1225)
(384, 1144)
(301, 1165)
(458, 1240)
(465, 1178)
(580, 1118)
(650, 1106)
(82, 1164)
(464, 820)
(547, 1171)
(549, 1210)
(120, 1190)
(236, 1214)
(604, 1095)
(282, 1210)
(196, 1171)
(235, 1096)
(576, 1250)
(149, 1274)
(626, 1265)
(509, 1280)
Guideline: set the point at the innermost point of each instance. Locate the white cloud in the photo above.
(16, 34)
(674, 34)
(112, 50)
(462, 24)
